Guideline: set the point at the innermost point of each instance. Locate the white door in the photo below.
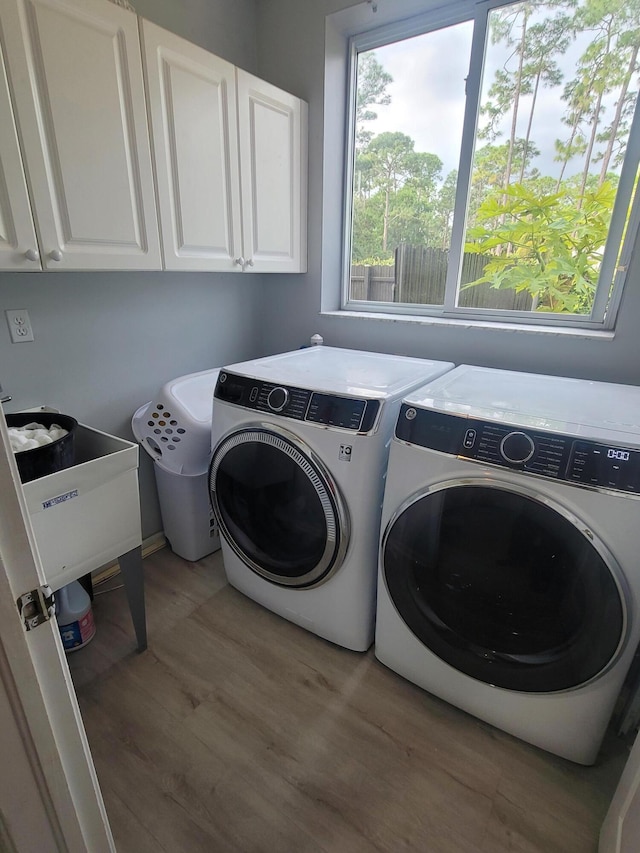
(621, 828)
(76, 79)
(192, 104)
(272, 127)
(18, 245)
(49, 793)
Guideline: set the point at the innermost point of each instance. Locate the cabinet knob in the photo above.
(55, 255)
(239, 261)
(32, 255)
(249, 263)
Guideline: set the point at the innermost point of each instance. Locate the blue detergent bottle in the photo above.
(75, 616)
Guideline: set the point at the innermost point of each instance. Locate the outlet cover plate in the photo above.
(19, 325)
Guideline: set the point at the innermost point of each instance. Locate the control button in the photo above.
(517, 448)
(253, 396)
(469, 438)
(278, 399)
(223, 377)
(410, 414)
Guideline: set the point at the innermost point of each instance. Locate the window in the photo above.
(494, 156)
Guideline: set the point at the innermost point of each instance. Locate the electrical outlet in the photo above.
(19, 326)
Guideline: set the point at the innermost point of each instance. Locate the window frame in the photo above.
(607, 300)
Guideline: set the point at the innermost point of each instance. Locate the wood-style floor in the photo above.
(238, 731)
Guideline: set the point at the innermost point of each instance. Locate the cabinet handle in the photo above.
(32, 255)
(239, 262)
(55, 255)
(249, 263)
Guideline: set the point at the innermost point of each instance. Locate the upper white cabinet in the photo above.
(230, 157)
(75, 74)
(18, 244)
(192, 106)
(82, 127)
(272, 128)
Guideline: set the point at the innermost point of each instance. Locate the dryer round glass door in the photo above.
(278, 507)
(505, 588)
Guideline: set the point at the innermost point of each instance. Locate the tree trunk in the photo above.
(589, 151)
(529, 125)
(615, 124)
(516, 102)
(385, 222)
(574, 130)
(594, 129)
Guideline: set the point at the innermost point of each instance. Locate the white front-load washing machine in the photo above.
(300, 443)
(509, 568)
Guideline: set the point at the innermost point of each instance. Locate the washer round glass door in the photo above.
(277, 506)
(504, 587)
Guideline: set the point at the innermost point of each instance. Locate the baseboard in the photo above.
(149, 546)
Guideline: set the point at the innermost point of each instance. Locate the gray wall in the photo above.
(224, 27)
(106, 342)
(291, 53)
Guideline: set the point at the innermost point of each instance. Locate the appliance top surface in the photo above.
(574, 406)
(343, 371)
(193, 393)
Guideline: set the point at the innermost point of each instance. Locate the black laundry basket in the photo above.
(49, 458)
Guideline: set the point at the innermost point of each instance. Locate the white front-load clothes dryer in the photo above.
(300, 443)
(509, 562)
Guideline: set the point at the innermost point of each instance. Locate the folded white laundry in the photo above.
(34, 435)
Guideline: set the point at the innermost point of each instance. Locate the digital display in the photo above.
(618, 455)
(336, 411)
(600, 465)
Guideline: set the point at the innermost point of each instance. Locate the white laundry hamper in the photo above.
(175, 430)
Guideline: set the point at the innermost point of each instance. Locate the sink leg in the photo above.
(133, 578)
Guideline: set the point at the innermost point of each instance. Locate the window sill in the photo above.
(500, 328)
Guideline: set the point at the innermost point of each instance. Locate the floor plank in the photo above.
(239, 732)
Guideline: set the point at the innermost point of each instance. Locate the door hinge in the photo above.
(36, 607)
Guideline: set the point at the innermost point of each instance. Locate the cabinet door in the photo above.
(273, 173)
(76, 74)
(192, 104)
(18, 246)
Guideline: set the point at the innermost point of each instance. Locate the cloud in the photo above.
(427, 93)
(428, 96)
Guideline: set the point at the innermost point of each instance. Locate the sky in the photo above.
(427, 96)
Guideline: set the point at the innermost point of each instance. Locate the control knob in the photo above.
(517, 448)
(277, 399)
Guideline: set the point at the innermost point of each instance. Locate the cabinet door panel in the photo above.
(17, 234)
(193, 117)
(273, 172)
(79, 94)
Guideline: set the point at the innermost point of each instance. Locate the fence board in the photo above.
(419, 276)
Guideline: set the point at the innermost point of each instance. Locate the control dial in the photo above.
(277, 399)
(517, 448)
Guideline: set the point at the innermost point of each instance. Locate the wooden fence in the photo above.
(418, 278)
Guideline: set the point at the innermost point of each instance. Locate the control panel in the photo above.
(356, 414)
(546, 454)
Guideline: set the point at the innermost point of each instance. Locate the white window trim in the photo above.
(358, 35)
